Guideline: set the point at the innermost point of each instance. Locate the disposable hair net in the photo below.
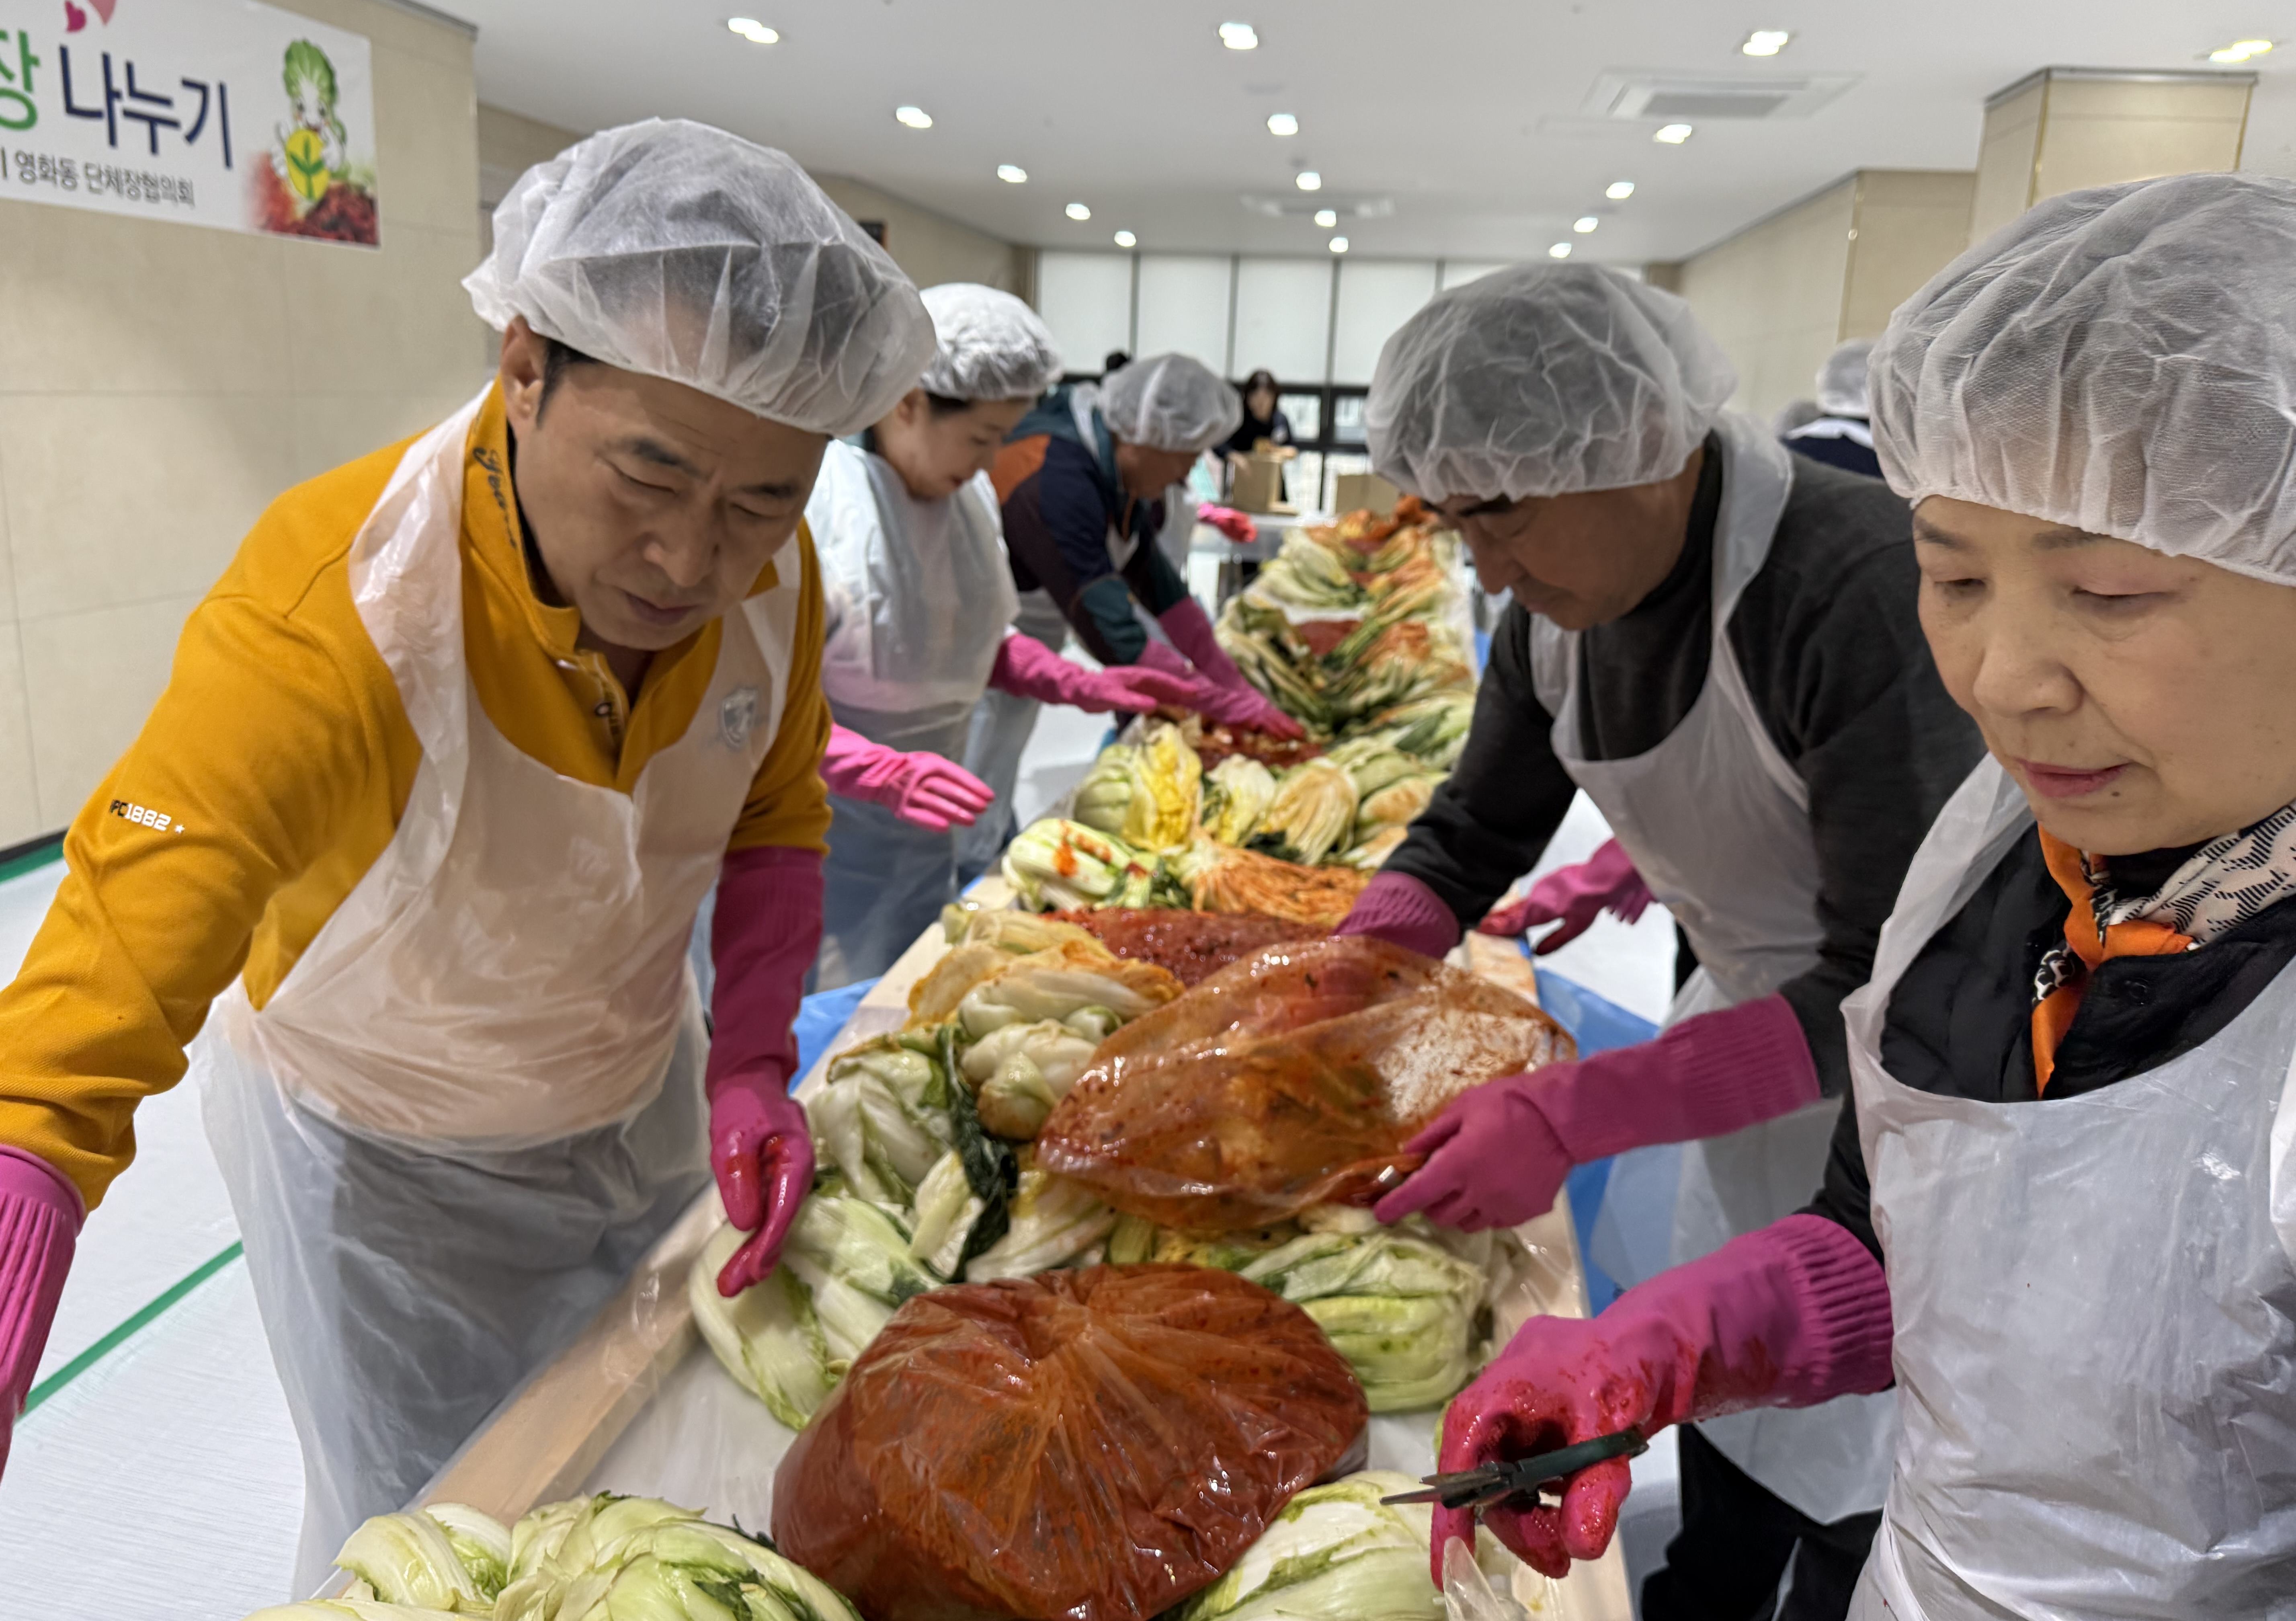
(676, 250)
(1544, 380)
(1169, 402)
(1841, 379)
(2121, 361)
(992, 345)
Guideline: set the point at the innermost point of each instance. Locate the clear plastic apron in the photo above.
(2095, 1306)
(1717, 824)
(477, 1094)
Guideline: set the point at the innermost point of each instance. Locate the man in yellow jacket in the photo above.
(406, 859)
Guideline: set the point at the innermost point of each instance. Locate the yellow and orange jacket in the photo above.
(281, 751)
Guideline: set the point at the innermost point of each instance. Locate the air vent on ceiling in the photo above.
(1638, 93)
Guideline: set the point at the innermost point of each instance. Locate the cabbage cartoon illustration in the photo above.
(312, 186)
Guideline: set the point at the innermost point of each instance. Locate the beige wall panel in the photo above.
(333, 429)
(1772, 296)
(931, 247)
(2078, 152)
(2143, 98)
(396, 322)
(2004, 161)
(394, 28)
(1911, 224)
(512, 143)
(20, 800)
(119, 499)
(426, 147)
(91, 679)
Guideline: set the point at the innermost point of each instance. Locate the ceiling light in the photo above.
(1327, 217)
(1239, 36)
(1619, 190)
(1283, 124)
(1126, 239)
(1673, 134)
(752, 30)
(1077, 211)
(1309, 180)
(915, 118)
(1583, 223)
(1339, 244)
(1765, 42)
(2240, 51)
(1561, 249)
(1012, 174)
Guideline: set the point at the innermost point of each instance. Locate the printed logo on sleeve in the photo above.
(144, 816)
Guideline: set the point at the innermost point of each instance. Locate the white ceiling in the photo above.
(1135, 108)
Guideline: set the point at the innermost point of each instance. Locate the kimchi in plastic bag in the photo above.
(1094, 1445)
(1291, 1078)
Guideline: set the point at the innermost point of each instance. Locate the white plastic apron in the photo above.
(2095, 1306)
(1717, 824)
(492, 1045)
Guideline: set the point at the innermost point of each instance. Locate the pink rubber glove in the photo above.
(762, 940)
(1028, 668)
(1497, 1155)
(924, 790)
(1793, 1314)
(1191, 633)
(1399, 909)
(40, 1216)
(1230, 523)
(1574, 897)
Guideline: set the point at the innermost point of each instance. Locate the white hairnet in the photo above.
(992, 345)
(1841, 379)
(2121, 361)
(1169, 402)
(1544, 380)
(678, 250)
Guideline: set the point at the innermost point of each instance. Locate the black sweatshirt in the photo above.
(1827, 637)
(1960, 1023)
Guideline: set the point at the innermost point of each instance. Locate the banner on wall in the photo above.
(214, 112)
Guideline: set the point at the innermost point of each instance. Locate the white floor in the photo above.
(163, 1482)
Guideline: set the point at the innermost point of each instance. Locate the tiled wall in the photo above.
(159, 384)
(1772, 295)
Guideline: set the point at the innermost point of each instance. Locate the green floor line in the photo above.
(31, 861)
(128, 1330)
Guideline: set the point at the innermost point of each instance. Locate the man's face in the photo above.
(654, 506)
(1147, 473)
(1583, 559)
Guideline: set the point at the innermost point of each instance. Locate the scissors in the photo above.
(1495, 1483)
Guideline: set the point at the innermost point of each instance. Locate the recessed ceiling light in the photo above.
(2240, 51)
(1077, 211)
(1327, 217)
(1126, 239)
(752, 30)
(1339, 244)
(1309, 180)
(1283, 124)
(1673, 134)
(1561, 249)
(1765, 42)
(1012, 174)
(1239, 36)
(1619, 190)
(915, 118)
(1583, 223)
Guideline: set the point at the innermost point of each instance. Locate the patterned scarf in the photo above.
(2221, 886)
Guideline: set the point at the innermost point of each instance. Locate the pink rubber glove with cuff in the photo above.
(1244, 705)
(1574, 897)
(40, 1218)
(924, 790)
(1028, 668)
(1793, 1314)
(762, 940)
(1236, 526)
(1499, 1154)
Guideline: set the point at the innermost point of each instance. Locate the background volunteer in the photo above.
(449, 756)
(2070, 1139)
(1089, 481)
(1841, 434)
(1717, 643)
(921, 609)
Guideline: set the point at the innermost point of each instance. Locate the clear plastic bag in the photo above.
(1094, 1445)
(1291, 1078)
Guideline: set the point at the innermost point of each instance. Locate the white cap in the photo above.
(678, 250)
(992, 345)
(1841, 379)
(1544, 380)
(2120, 361)
(1169, 402)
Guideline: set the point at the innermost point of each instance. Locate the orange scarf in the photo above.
(2053, 1015)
